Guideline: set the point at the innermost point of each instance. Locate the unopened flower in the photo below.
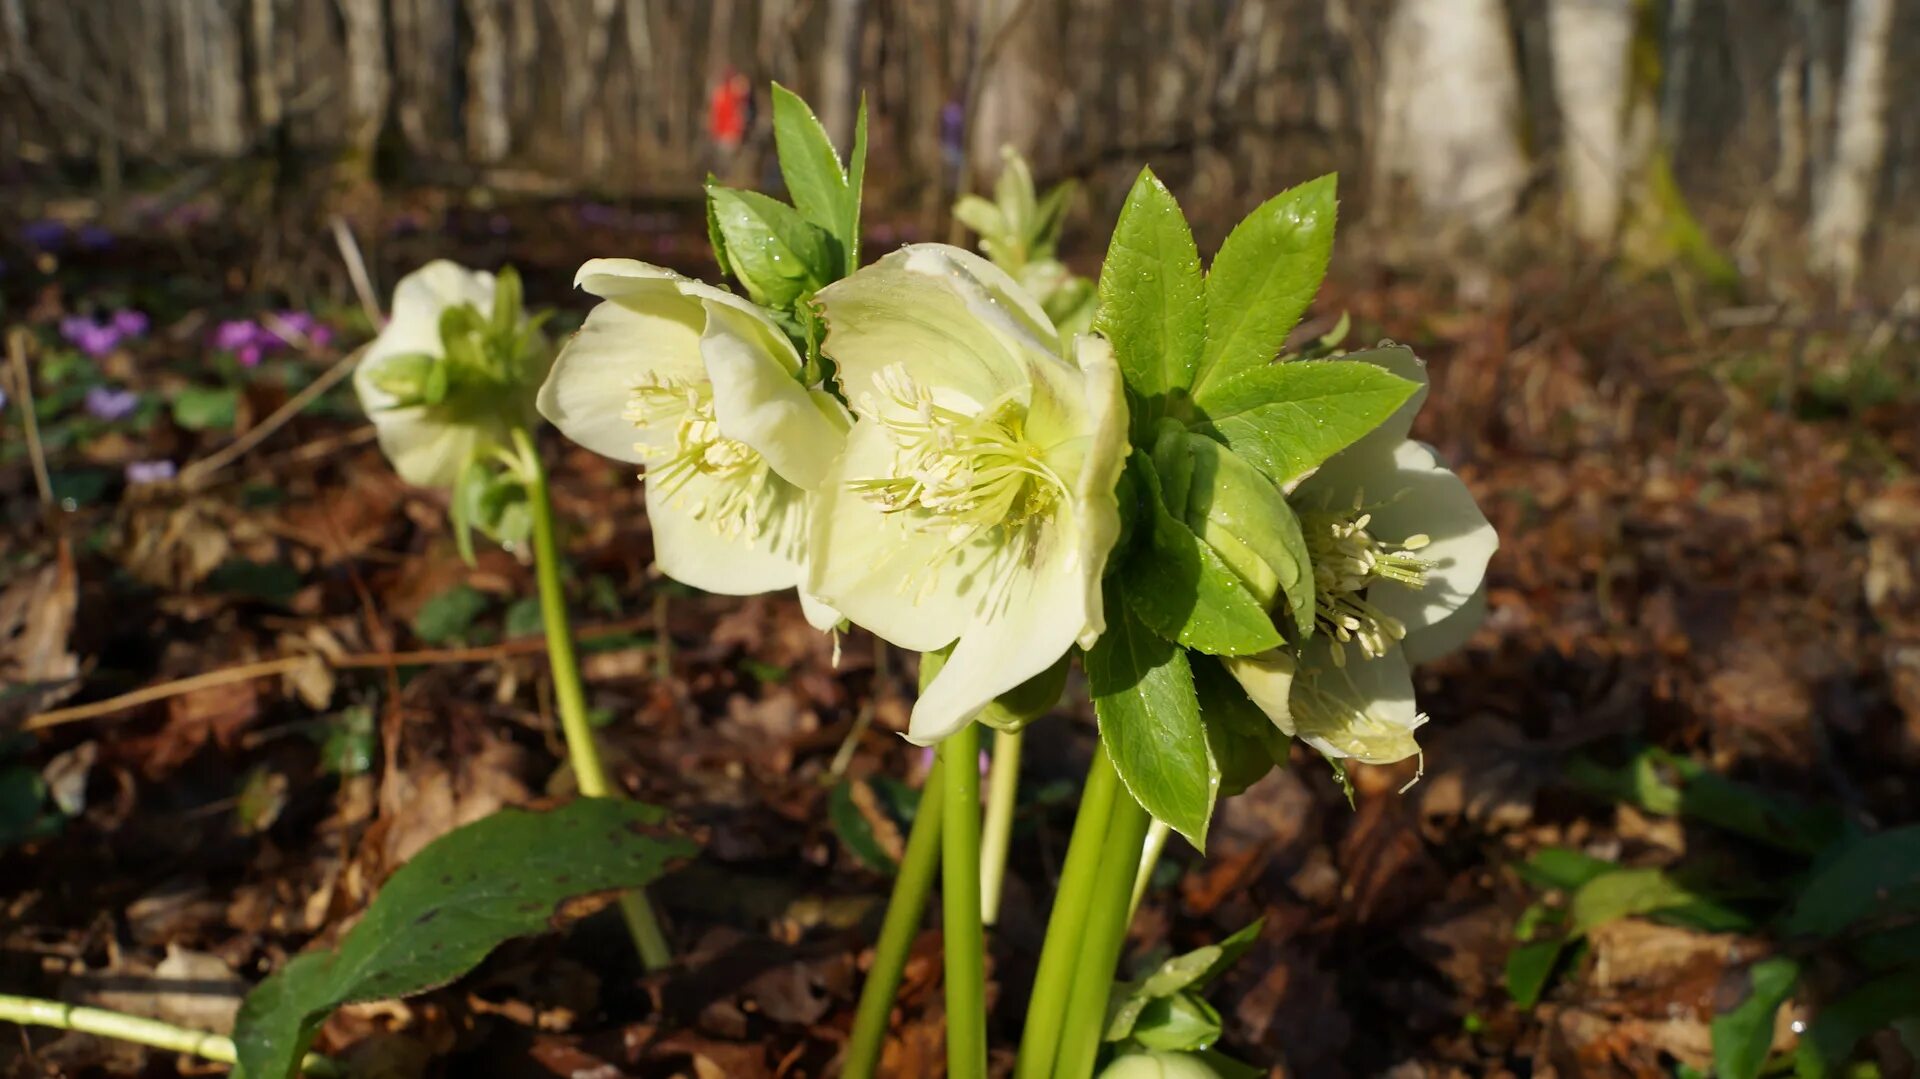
(1399, 550)
(1160, 1065)
(450, 375)
(700, 387)
(974, 504)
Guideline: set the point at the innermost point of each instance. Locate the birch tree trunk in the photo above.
(489, 131)
(1845, 199)
(840, 71)
(1013, 102)
(369, 82)
(1589, 40)
(1450, 111)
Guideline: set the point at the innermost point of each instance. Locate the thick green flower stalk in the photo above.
(449, 384)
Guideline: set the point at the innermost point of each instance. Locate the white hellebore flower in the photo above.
(701, 387)
(974, 505)
(429, 444)
(1399, 550)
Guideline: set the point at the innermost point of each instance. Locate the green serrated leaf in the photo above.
(1150, 721)
(1743, 1035)
(1152, 298)
(777, 255)
(1244, 517)
(507, 875)
(1183, 591)
(856, 184)
(1263, 279)
(815, 181)
(1285, 419)
(1244, 742)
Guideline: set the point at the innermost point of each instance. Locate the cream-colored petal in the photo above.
(612, 279)
(1268, 680)
(649, 333)
(1364, 710)
(879, 569)
(1040, 617)
(941, 259)
(932, 318)
(1400, 360)
(819, 615)
(693, 552)
(1088, 405)
(758, 401)
(1424, 497)
(1448, 634)
(428, 448)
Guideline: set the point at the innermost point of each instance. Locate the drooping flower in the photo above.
(974, 505)
(449, 377)
(700, 387)
(1399, 551)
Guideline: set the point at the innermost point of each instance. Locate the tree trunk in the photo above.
(369, 82)
(1844, 202)
(1450, 112)
(840, 71)
(1590, 40)
(1013, 103)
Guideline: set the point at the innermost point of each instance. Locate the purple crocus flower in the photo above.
(107, 403)
(141, 472)
(130, 323)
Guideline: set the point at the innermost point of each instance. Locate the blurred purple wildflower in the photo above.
(139, 472)
(96, 338)
(953, 131)
(93, 338)
(250, 340)
(3, 398)
(95, 238)
(44, 235)
(107, 403)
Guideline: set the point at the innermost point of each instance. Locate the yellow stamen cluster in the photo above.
(738, 501)
(1347, 558)
(964, 474)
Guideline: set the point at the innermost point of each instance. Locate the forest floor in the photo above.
(1708, 514)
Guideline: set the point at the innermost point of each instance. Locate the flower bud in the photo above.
(1160, 1065)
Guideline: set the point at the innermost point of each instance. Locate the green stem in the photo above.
(570, 699)
(29, 1011)
(905, 909)
(1107, 918)
(966, 944)
(1040, 1040)
(1157, 834)
(1003, 785)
